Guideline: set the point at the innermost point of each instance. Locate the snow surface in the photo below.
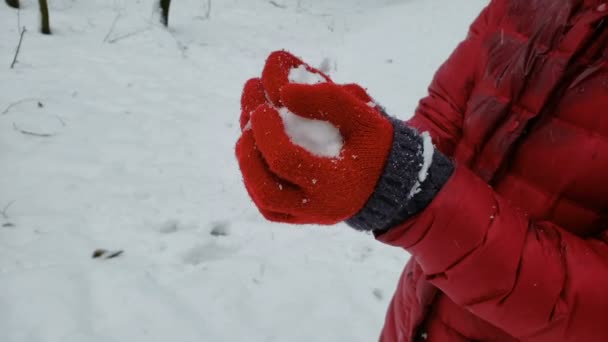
(141, 124)
(301, 75)
(318, 137)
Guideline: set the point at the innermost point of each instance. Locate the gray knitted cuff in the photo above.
(394, 200)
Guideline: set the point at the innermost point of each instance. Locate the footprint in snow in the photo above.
(207, 252)
(217, 228)
(378, 294)
(220, 228)
(169, 226)
(361, 253)
(174, 225)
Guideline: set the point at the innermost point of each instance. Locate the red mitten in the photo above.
(312, 151)
(291, 180)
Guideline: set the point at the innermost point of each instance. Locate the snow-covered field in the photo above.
(142, 123)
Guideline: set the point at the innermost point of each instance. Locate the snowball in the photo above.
(301, 75)
(427, 154)
(316, 136)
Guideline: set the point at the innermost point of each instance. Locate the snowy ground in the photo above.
(143, 122)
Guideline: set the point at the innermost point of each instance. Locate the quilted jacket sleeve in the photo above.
(527, 277)
(441, 111)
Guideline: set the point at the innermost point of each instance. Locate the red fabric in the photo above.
(287, 182)
(514, 248)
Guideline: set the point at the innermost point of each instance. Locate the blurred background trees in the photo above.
(164, 11)
(45, 26)
(13, 3)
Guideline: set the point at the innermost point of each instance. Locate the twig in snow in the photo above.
(34, 134)
(114, 40)
(114, 254)
(5, 209)
(207, 12)
(181, 46)
(59, 119)
(5, 111)
(275, 4)
(105, 254)
(118, 15)
(18, 48)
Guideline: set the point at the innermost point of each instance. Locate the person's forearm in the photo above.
(528, 278)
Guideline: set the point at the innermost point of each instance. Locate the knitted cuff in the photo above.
(403, 190)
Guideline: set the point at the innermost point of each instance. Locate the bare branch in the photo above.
(18, 48)
(5, 209)
(118, 15)
(29, 99)
(60, 120)
(34, 134)
(183, 48)
(115, 254)
(130, 34)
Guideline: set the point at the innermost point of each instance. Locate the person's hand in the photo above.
(312, 151)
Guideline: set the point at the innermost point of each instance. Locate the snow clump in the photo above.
(427, 153)
(319, 137)
(301, 75)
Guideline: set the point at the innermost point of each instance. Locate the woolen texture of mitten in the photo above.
(289, 183)
(404, 189)
(369, 183)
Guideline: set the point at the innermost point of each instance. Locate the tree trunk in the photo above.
(13, 3)
(45, 27)
(164, 7)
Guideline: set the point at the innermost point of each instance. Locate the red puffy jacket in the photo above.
(514, 247)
